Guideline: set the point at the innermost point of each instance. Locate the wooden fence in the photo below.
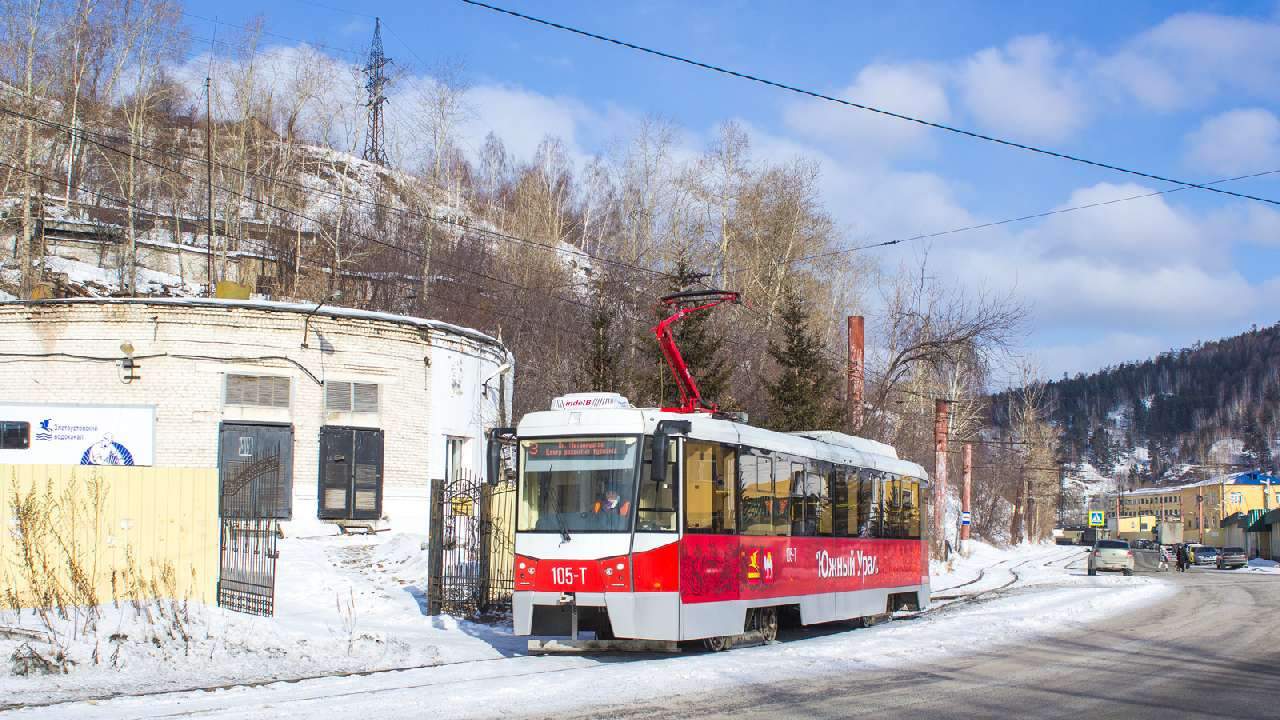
(77, 535)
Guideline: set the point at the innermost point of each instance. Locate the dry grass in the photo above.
(53, 573)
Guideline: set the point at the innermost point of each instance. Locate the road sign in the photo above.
(1097, 518)
(966, 518)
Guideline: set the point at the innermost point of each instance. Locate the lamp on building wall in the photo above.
(128, 365)
(306, 324)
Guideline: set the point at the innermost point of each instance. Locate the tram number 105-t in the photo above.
(568, 575)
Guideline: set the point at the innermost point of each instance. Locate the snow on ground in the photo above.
(343, 604)
(149, 281)
(482, 671)
(1258, 565)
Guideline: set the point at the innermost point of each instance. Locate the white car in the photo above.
(1113, 555)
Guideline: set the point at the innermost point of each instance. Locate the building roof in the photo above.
(1247, 478)
(332, 311)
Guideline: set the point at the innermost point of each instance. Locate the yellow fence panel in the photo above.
(79, 535)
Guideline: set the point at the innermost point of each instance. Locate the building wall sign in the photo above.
(84, 434)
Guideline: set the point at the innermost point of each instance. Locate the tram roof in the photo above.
(818, 444)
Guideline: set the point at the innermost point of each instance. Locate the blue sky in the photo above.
(1185, 90)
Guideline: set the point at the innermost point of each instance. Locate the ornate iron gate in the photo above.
(255, 482)
(247, 578)
(472, 547)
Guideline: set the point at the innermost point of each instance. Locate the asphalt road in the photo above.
(1211, 651)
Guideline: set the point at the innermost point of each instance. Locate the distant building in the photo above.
(1206, 509)
(310, 413)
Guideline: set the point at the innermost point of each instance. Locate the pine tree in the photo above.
(1257, 450)
(1100, 450)
(803, 395)
(700, 344)
(600, 361)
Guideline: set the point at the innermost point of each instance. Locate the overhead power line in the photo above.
(861, 106)
(1024, 218)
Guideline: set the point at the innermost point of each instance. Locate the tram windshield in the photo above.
(579, 484)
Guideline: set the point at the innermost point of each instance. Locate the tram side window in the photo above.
(708, 488)
(808, 493)
(870, 494)
(784, 479)
(893, 522)
(840, 505)
(656, 509)
(911, 502)
(755, 478)
(826, 519)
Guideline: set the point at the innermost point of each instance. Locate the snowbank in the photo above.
(343, 604)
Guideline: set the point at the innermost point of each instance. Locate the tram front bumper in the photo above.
(638, 616)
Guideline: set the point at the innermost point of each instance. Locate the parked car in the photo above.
(1111, 555)
(1203, 555)
(1232, 557)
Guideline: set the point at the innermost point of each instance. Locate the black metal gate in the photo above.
(255, 482)
(247, 578)
(472, 545)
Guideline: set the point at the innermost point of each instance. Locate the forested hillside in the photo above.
(1211, 405)
(115, 154)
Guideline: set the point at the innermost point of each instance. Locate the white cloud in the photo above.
(1022, 90)
(1147, 228)
(915, 90)
(1053, 360)
(1251, 222)
(1236, 141)
(1140, 266)
(1192, 57)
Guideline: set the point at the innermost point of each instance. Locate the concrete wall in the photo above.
(135, 532)
(69, 352)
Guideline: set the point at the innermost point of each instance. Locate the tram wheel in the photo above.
(719, 643)
(767, 623)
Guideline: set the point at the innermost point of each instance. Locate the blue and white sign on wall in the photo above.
(966, 518)
(1097, 518)
(83, 434)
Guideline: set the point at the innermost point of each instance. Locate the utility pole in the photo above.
(964, 495)
(375, 85)
(208, 180)
(941, 429)
(857, 355)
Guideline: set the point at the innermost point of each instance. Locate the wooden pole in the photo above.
(208, 175)
(941, 428)
(857, 356)
(964, 495)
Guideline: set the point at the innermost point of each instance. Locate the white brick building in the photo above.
(351, 420)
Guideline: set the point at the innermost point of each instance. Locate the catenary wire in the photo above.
(860, 106)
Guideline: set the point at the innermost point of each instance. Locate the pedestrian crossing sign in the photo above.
(1097, 518)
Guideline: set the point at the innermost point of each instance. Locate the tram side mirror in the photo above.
(661, 443)
(494, 466)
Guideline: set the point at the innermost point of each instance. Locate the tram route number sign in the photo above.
(966, 518)
(1097, 518)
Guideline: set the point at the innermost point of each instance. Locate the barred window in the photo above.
(261, 390)
(340, 395)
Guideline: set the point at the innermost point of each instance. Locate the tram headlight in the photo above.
(608, 571)
(524, 570)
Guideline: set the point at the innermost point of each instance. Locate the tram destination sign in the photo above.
(602, 449)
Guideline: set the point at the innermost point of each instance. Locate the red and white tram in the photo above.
(673, 525)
